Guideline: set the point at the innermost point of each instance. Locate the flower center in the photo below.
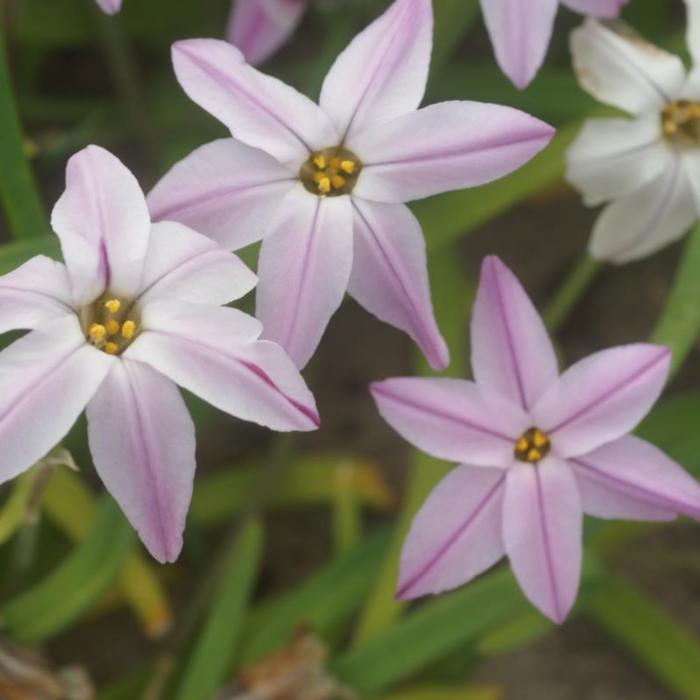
(533, 446)
(680, 122)
(110, 324)
(331, 172)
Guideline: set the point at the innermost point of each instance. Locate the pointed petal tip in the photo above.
(165, 552)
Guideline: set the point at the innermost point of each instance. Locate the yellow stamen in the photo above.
(320, 162)
(111, 348)
(112, 327)
(348, 166)
(539, 439)
(522, 444)
(338, 181)
(113, 305)
(534, 455)
(336, 163)
(324, 185)
(319, 176)
(97, 332)
(128, 329)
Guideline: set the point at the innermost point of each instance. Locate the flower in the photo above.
(535, 450)
(520, 31)
(259, 28)
(136, 307)
(325, 185)
(647, 166)
(110, 7)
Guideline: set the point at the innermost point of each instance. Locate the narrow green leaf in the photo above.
(679, 324)
(18, 191)
(453, 18)
(452, 300)
(347, 511)
(663, 646)
(516, 633)
(14, 254)
(207, 668)
(569, 294)
(325, 601)
(76, 584)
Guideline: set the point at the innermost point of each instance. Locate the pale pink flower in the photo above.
(520, 30)
(535, 450)
(111, 7)
(325, 185)
(136, 307)
(259, 28)
(646, 167)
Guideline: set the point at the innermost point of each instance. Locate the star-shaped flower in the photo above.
(325, 185)
(535, 450)
(136, 308)
(521, 29)
(259, 28)
(647, 166)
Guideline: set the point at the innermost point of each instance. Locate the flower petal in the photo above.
(611, 158)
(542, 530)
(390, 274)
(456, 534)
(635, 469)
(47, 378)
(693, 30)
(520, 33)
(111, 7)
(212, 352)
(383, 72)
(511, 351)
(451, 419)
(35, 293)
(181, 264)
(656, 215)
(103, 223)
(142, 442)
(259, 28)
(304, 268)
(259, 110)
(622, 69)
(225, 190)
(446, 146)
(596, 8)
(602, 397)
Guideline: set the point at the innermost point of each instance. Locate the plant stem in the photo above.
(576, 284)
(18, 190)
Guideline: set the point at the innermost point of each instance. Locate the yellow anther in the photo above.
(111, 348)
(534, 455)
(112, 327)
(324, 185)
(539, 439)
(522, 444)
(128, 329)
(348, 166)
(113, 305)
(97, 332)
(338, 181)
(336, 163)
(320, 162)
(319, 176)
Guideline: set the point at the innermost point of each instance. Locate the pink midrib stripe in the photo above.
(423, 332)
(217, 76)
(252, 367)
(162, 508)
(621, 386)
(458, 420)
(546, 543)
(641, 492)
(453, 538)
(36, 292)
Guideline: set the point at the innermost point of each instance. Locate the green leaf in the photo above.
(516, 633)
(207, 668)
(664, 647)
(452, 20)
(18, 191)
(679, 324)
(325, 601)
(309, 479)
(14, 254)
(76, 584)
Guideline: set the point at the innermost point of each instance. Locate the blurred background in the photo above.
(309, 551)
